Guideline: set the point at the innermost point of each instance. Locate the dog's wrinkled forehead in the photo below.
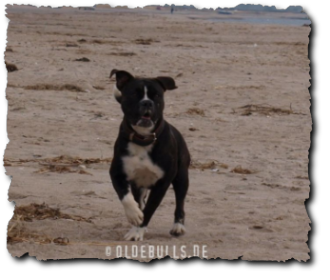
(126, 83)
(140, 89)
(148, 86)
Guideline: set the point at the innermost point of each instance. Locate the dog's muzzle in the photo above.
(146, 113)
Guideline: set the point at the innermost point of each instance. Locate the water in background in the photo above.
(261, 20)
(298, 20)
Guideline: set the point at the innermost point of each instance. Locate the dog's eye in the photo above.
(137, 93)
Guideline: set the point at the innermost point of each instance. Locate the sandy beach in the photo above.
(242, 105)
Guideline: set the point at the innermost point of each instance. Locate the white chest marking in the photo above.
(139, 168)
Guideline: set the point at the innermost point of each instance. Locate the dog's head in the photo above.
(141, 99)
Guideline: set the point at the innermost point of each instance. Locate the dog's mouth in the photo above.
(146, 116)
(145, 120)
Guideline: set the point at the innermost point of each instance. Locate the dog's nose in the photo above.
(146, 104)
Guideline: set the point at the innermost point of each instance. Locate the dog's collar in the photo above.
(141, 140)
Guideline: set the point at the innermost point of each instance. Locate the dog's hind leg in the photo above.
(180, 186)
(140, 195)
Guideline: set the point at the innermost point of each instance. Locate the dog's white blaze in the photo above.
(132, 210)
(116, 91)
(178, 228)
(135, 233)
(139, 168)
(145, 97)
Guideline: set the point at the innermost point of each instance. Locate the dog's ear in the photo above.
(167, 83)
(122, 78)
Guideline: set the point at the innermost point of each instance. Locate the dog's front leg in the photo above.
(132, 210)
(156, 195)
(131, 207)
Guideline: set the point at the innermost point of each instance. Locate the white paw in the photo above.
(135, 233)
(178, 229)
(132, 210)
(134, 215)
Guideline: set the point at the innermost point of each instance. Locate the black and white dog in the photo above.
(149, 153)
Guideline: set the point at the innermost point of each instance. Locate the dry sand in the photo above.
(62, 107)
